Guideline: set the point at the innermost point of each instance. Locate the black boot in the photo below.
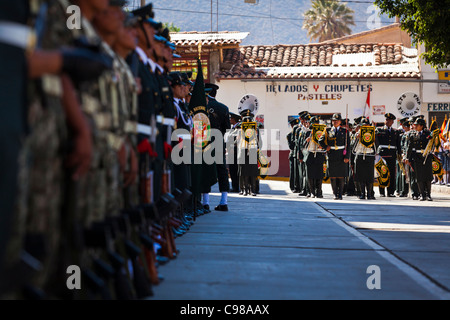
(334, 188)
(369, 187)
(311, 188)
(319, 193)
(340, 185)
(362, 191)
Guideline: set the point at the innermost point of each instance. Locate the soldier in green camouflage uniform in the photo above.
(128, 92)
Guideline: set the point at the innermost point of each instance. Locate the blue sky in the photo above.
(269, 22)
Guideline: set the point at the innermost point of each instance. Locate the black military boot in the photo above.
(334, 188)
(319, 193)
(340, 186)
(362, 192)
(370, 195)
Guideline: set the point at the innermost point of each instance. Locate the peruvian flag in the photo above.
(367, 110)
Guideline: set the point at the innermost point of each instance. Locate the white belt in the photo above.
(144, 129)
(17, 35)
(185, 136)
(388, 147)
(165, 121)
(337, 147)
(419, 151)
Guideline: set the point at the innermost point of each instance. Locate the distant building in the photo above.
(324, 78)
(388, 34)
(210, 45)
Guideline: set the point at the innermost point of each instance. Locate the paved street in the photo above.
(279, 246)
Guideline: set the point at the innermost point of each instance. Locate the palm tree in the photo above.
(328, 19)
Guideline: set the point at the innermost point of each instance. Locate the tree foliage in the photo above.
(171, 27)
(328, 19)
(427, 22)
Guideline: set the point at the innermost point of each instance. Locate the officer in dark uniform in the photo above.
(336, 142)
(219, 116)
(165, 117)
(388, 146)
(149, 100)
(313, 156)
(422, 163)
(292, 159)
(402, 183)
(301, 130)
(184, 122)
(364, 165)
(410, 165)
(247, 157)
(231, 144)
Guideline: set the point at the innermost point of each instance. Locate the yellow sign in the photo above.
(444, 75)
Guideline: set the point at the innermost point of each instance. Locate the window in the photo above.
(189, 63)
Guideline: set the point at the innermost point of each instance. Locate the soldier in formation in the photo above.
(88, 129)
(353, 154)
(336, 141)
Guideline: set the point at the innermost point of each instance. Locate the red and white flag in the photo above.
(367, 109)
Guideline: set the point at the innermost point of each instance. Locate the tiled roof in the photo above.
(193, 38)
(320, 61)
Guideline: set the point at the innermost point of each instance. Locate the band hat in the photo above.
(293, 121)
(246, 113)
(364, 121)
(336, 116)
(314, 120)
(390, 116)
(117, 3)
(146, 14)
(130, 20)
(235, 116)
(302, 113)
(420, 122)
(176, 79)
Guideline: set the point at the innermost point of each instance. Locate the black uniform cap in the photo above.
(117, 3)
(336, 116)
(364, 121)
(420, 122)
(176, 79)
(390, 116)
(246, 113)
(314, 120)
(293, 121)
(235, 116)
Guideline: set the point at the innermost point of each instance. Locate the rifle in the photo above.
(100, 237)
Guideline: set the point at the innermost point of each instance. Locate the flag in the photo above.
(383, 173)
(203, 175)
(367, 110)
(437, 166)
(445, 131)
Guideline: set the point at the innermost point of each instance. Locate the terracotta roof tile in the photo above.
(370, 60)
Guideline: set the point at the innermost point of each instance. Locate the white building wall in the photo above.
(280, 99)
(433, 101)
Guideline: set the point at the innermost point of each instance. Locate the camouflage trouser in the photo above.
(39, 192)
(114, 195)
(46, 184)
(18, 225)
